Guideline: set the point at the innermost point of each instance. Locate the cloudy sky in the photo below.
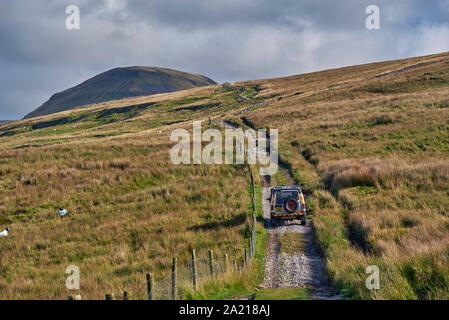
(227, 40)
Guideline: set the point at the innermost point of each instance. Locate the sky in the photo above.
(226, 40)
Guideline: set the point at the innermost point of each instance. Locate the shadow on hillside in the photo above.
(234, 221)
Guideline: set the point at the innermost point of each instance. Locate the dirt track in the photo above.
(303, 268)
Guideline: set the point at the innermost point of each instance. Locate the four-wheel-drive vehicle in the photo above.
(287, 203)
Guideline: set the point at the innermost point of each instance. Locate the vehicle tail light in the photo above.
(303, 204)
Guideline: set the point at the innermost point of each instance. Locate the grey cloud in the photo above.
(227, 40)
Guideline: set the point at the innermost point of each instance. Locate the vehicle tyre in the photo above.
(303, 220)
(291, 205)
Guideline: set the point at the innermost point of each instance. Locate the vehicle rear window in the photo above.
(281, 196)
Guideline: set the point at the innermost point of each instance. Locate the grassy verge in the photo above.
(236, 285)
(239, 283)
(283, 294)
(371, 157)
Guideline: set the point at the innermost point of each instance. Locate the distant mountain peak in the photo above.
(119, 83)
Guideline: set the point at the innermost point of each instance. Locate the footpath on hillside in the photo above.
(293, 258)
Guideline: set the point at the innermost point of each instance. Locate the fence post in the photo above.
(108, 296)
(125, 295)
(252, 186)
(194, 269)
(246, 257)
(226, 262)
(150, 283)
(211, 262)
(174, 285)
(254, 231)
(250, 248)
(253, 242)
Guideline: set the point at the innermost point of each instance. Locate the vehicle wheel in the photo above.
(273, 222)
(291, 205)
(303, 221)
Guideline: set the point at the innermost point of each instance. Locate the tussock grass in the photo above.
(240, 283)
(130, 210)
(386, 173)
(372, 154)
(291, 242)
(283, 294)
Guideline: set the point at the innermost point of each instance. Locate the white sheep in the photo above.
(4, 233)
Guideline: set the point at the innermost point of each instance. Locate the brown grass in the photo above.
(371, 154)
(373, 151)
(130, 210)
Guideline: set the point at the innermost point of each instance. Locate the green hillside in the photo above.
(368, 144)
(121, 83)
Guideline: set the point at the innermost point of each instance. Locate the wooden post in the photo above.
(174, 285)
(108, 296)
(246, 257)
(150, 283)
(194, 270)
(211, 262)
(253, 242)
(252, 246)
(125, 295)
(254, 232)
(252, 185)
(226, 262)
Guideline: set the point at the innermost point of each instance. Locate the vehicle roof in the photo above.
(286, 188)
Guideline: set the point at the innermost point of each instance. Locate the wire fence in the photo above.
(190, 276)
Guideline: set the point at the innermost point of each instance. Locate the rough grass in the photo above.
(372, 154)
(127, 215)
(130, 210)
(240, 283)
(291, 242)
(283, 294)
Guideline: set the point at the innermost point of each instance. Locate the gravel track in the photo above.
(303, 268)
